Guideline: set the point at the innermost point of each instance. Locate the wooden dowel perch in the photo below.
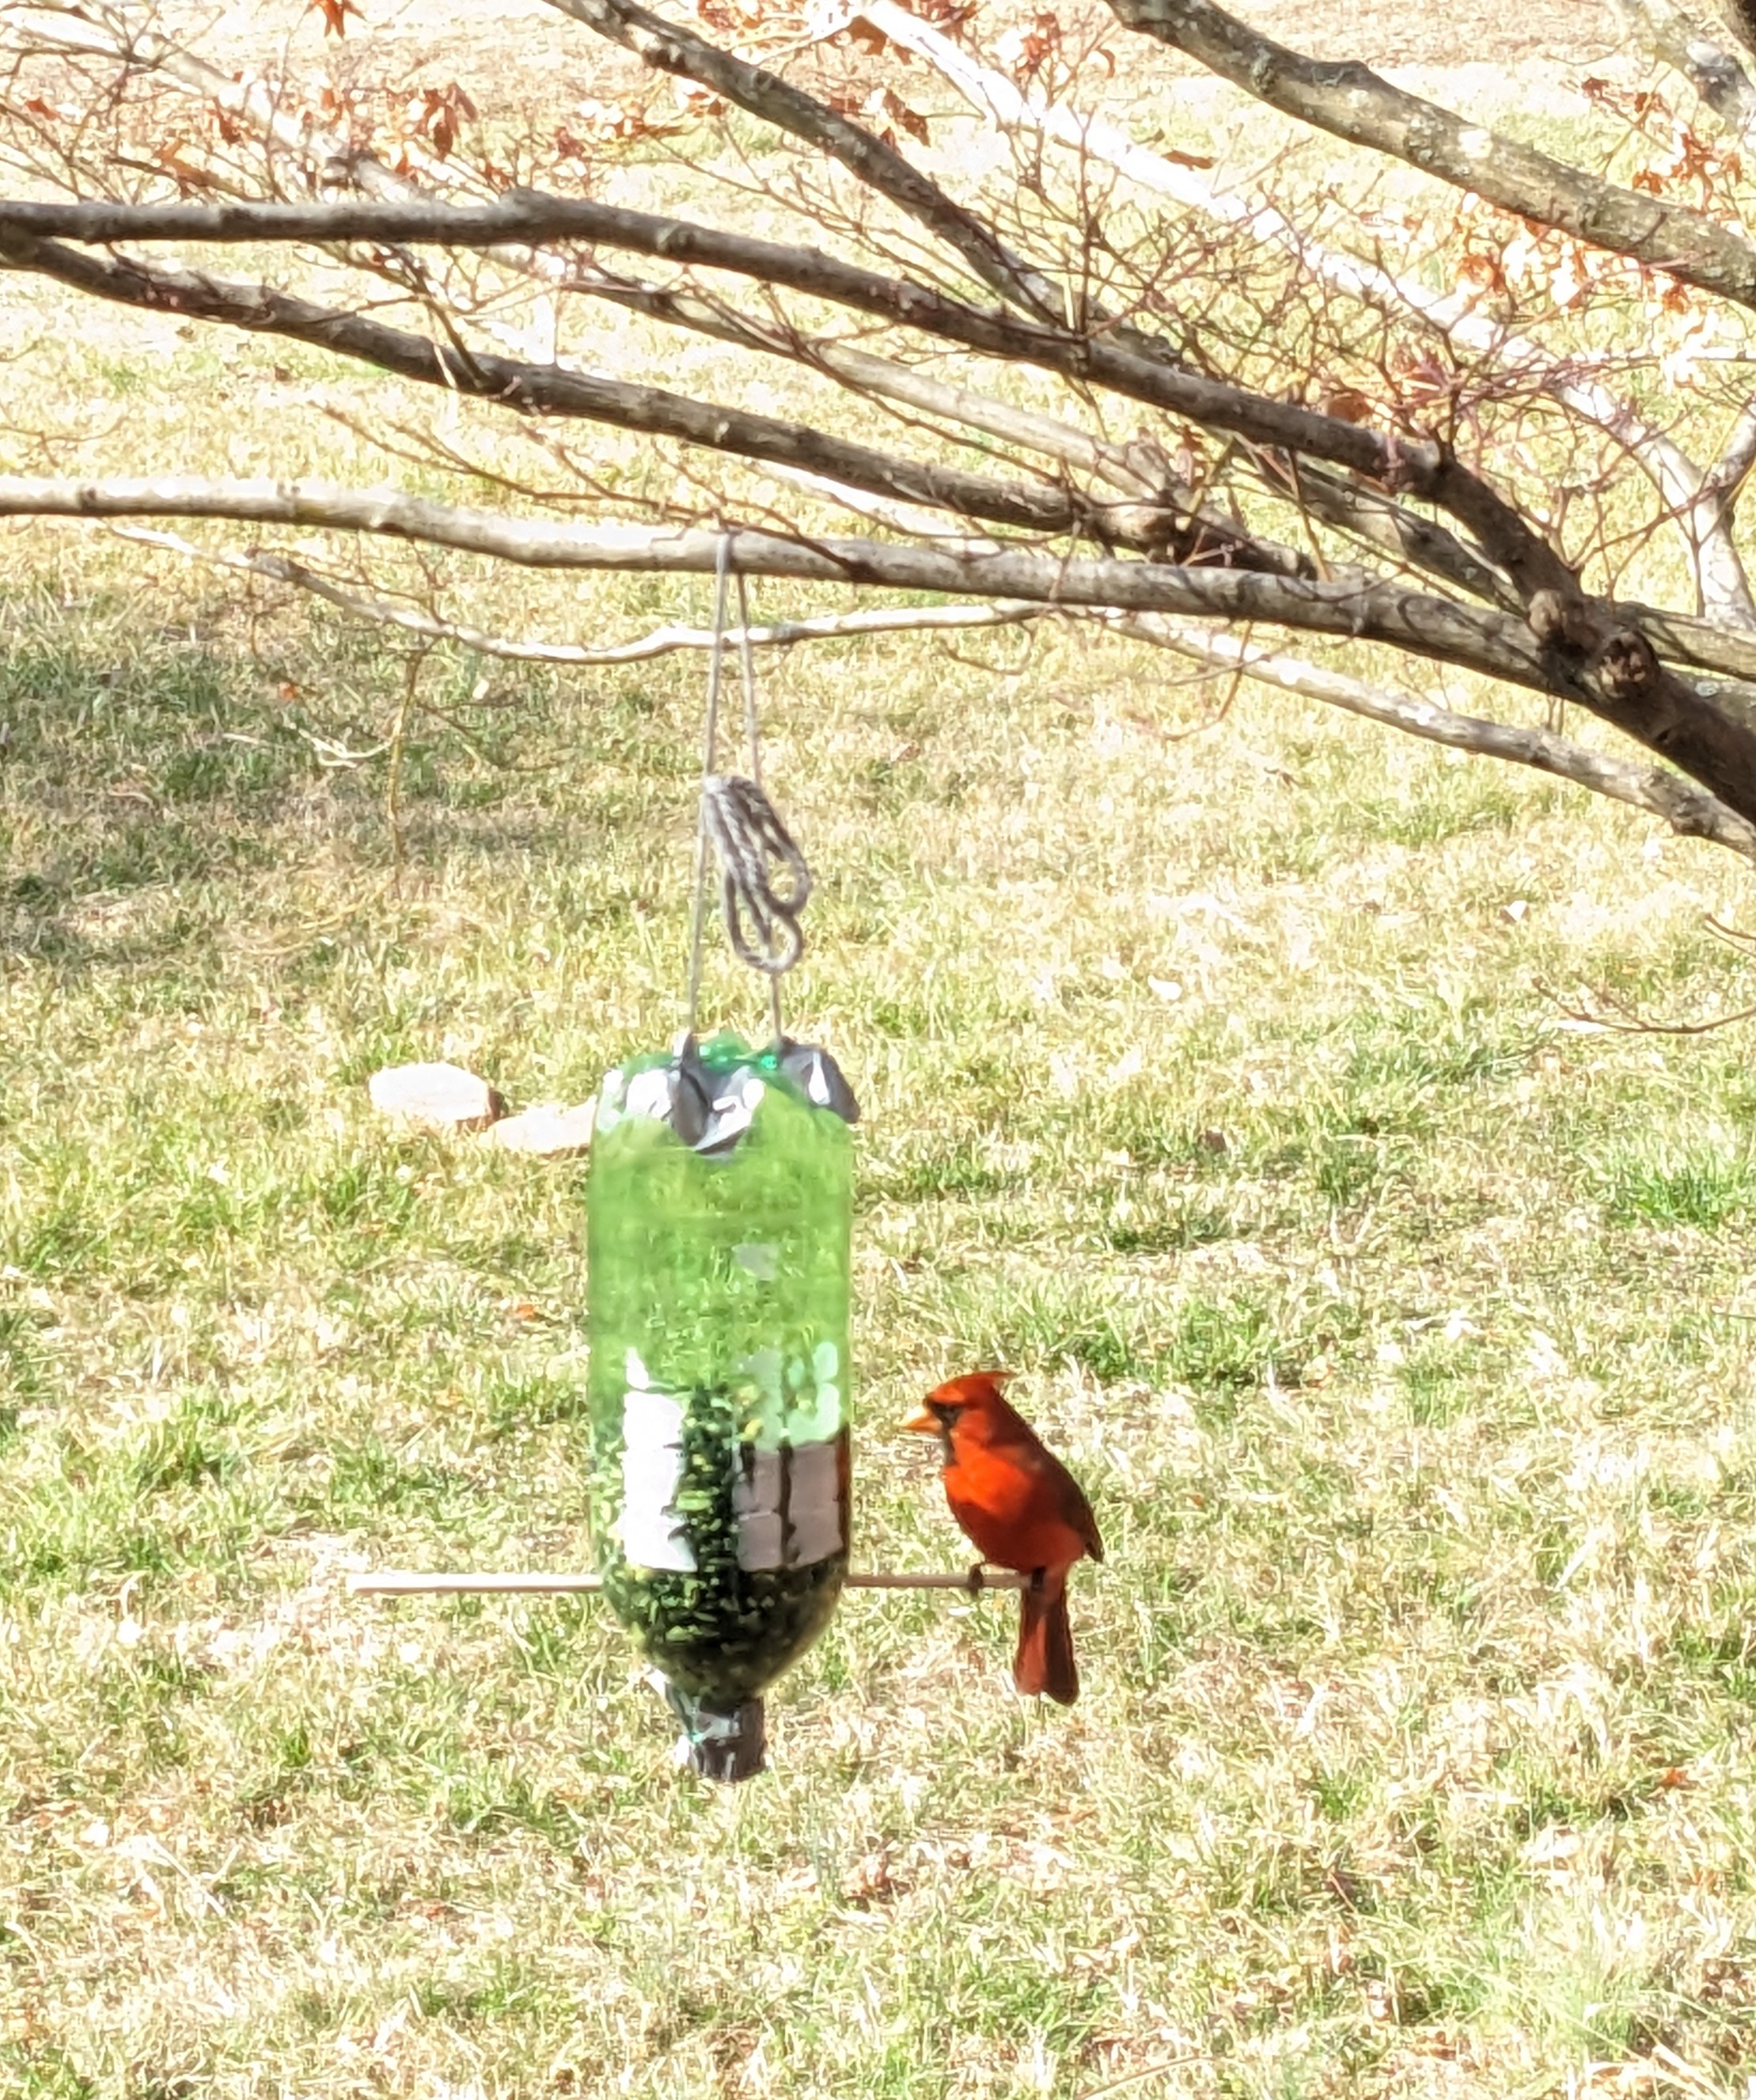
(415, 1582)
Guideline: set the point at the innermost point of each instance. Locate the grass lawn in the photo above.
(1402, 1336)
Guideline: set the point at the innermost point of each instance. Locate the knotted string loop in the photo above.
(740, 823)
(745, 831)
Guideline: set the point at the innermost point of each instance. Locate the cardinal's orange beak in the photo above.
(924, 1424)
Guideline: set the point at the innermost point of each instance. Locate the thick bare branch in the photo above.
(1352, 101)
(662, 641)
(1421, 468)
(1673, 35)
(553, 390)
(1687, 809)
(1611, 676)
(1475, 637)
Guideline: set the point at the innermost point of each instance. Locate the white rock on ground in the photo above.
(549, 1129)
(436, 1096)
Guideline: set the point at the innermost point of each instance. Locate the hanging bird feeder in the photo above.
(719, 1212)
(719, 1223)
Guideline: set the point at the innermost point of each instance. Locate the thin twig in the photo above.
(393, 792)
(1623, 1020)
(1734, 937)
(1139, 2077)
(416, 1582)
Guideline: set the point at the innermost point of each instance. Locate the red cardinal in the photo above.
(1022, 1508)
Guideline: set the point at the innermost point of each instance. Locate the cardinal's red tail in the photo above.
(1045, 1660)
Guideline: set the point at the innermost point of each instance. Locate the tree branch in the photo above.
(1688, 809)
(1673, 35)
(1473, 638)
(1352, 101)
(662, 641)
(545, 389)
(1689, 729)
(1421, 468)
(1586, 650)
(1721, 580)
(669, 48)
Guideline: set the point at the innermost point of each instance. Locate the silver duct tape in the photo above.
(711, 1110)
(819, 1078)
(723, 1743)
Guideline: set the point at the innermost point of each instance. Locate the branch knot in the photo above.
(1625, 667)
(1618, 660)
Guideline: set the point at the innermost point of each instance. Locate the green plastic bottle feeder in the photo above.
(719, 1225)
